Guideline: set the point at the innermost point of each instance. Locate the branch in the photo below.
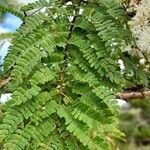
(127, 96)
(6, 36)
(65, 63)
(5, 81)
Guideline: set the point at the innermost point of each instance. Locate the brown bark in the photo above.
(5, 81)
(133, 95)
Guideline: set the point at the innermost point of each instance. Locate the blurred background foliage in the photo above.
(135, 123)
(9, 3)
(135, 120)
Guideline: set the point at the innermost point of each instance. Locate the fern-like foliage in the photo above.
(63, 66)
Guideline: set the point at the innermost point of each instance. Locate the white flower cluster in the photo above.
(140, 26)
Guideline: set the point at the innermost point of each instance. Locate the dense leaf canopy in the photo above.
(63, 72)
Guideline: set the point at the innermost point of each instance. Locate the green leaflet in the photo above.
(78, 129)
(31, 109)
(42, 131)
(105, 94)
(45, 74)
(64, 71)
(22, 137)
(31, 23)
(9, 123)
(21, 95)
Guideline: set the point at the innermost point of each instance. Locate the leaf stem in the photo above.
(65, 63)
